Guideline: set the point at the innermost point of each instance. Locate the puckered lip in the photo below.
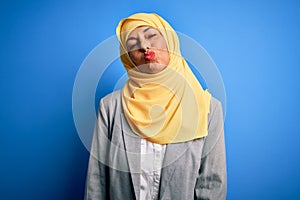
(149, 55)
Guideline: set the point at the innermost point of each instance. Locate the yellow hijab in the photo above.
(169, 106)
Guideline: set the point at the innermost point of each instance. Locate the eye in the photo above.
(132, 46)
(152, 35)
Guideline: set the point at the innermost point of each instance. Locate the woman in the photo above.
(161, 137)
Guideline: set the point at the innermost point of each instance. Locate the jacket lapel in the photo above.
(133, 152)
(172, 155)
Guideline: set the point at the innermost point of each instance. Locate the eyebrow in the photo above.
(133, 38)
(145, 30)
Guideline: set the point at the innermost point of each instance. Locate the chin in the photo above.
(153, 68)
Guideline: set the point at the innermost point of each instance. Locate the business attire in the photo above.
(189, 170)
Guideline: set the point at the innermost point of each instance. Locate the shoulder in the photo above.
(215, 126)
(215, 109)
(111, 104)
(114, 97)
(112, 100)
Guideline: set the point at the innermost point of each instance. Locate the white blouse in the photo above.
(152, 156)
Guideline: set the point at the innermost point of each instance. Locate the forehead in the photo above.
(141, 29)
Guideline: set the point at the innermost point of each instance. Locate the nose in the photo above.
(145, 45)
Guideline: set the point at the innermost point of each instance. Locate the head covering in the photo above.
(169, 106)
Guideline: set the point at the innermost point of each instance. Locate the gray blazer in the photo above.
(191, 170)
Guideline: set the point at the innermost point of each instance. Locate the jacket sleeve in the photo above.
(96, 180)
(212, 180)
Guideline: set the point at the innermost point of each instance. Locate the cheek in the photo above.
(136, 57)
(160, 43)
(164, 57)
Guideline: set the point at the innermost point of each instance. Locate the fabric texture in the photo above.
(169, 106)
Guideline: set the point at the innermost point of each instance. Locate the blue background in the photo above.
(255, 45)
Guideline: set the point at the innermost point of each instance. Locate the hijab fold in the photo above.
(169, 106)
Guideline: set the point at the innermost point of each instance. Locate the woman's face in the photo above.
(148, 49)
